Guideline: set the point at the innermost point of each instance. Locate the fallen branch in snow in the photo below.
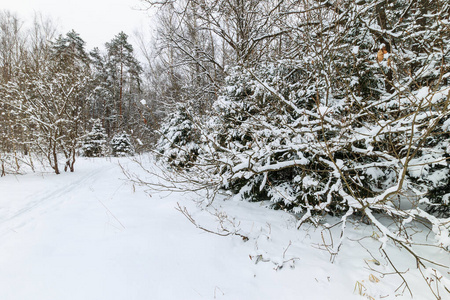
(225, 232)
(397, 272)
(110, 212)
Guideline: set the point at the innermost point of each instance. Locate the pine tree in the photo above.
(102, 104)
(123, 77)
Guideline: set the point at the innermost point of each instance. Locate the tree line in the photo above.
(52, 90)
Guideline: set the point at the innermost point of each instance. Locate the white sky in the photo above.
(97, 21)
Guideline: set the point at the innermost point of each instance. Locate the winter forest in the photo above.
(332, 112)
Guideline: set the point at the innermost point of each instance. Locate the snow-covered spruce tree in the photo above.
(95, 142)
(269, 160)
(121, 145)
(178, 144)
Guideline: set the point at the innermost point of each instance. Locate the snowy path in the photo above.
(90, 235)
(49, 195)
(86, 235)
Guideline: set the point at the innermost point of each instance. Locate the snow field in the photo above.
(92, 235)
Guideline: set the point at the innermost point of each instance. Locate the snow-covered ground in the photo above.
(93, 235)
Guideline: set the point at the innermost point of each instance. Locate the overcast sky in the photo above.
(97, 21)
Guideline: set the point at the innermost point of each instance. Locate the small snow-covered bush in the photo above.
(94, 143)
(121, 145)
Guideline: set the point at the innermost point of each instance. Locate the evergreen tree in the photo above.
(178, 144)
(102, 104)
(95, 142)
(121, 145)
(123, 77)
